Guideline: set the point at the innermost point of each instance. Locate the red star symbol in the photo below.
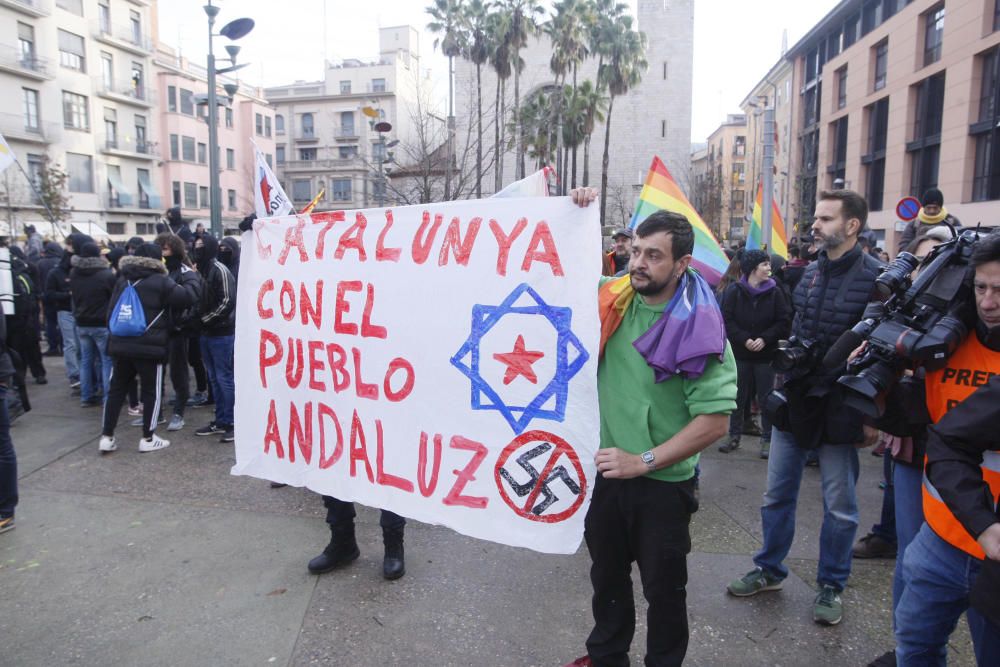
(519, 362)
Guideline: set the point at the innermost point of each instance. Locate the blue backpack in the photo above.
(127, 317)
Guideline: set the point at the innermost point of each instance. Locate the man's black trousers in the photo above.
(643, 520)
(123, 374)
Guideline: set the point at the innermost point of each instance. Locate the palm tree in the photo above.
(537, 127)
(498, 24)
(624, 64)
(447, 15)
(592, 105)
(567, 31)
(523, 16)
(476, 21)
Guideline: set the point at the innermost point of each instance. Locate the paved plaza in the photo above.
(167, 559)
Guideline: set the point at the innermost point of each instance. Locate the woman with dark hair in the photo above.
(757, 315)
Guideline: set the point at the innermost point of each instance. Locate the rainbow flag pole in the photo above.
(661, 193)
(779, 239)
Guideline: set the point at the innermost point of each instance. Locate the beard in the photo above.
(826, 242)
(650, 287)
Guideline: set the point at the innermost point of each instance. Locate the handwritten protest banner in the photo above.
(437, 361)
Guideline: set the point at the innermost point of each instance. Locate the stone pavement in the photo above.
(166, 559)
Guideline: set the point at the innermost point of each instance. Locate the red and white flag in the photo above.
(269, 198)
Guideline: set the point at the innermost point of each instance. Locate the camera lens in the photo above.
(896, 274)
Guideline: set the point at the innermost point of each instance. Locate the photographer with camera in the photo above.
(809, 414)
(942, 566)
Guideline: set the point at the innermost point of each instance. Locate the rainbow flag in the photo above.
(661, 192)
(779, 240)
(311, 205)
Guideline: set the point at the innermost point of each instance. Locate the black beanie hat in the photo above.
(90, 250)
(751, 259)
(150, 250)
(933, 197)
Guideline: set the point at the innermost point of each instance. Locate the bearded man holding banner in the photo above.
(666, 385)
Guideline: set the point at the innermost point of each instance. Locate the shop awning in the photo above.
(115, 181)
(91, 229)
(149, 190)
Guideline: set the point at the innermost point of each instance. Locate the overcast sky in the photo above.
(736, 41)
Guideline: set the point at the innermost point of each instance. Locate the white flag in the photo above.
(6, 154)
(268, 197)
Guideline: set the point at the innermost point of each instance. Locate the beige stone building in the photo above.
(719, 184)
(895, 97)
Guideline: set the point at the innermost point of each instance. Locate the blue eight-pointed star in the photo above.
(485, 397)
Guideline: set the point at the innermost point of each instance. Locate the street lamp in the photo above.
(233, 30)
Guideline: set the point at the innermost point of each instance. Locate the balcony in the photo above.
(123, 146)
(13, 127)
(353, 163)
(30, 67)
(124, 37)
(35, 8)
(347, 134)
(126, 202)
(307, 135)
(126, 92)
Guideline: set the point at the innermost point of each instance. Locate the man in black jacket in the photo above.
(218, 329)
(92, 283)
(22, 326)
(51, 254)
(829, 299)
(143, 355)
(58, 295)
(8, 460)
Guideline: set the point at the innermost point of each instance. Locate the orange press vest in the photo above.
(969, 368)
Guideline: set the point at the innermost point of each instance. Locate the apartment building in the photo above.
(895, 97)
(182, 87)
(75, 77)
(324, 130)
(719, 184)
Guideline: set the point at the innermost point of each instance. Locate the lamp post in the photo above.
(233, 30)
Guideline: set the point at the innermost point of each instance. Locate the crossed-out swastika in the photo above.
(537, 487)
(549, 496)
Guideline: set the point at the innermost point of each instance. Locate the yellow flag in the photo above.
(6, 154)
(312, 204)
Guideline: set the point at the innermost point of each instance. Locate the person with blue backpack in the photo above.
(139, 327)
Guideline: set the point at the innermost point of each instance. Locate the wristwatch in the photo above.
(649, 459)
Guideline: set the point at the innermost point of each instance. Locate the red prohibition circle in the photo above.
(561, 448)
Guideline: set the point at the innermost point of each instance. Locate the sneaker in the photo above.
(828, 609)
(91, 403)
(211, 429)
(176, 423)
(750, 428)
(138, 421)
(229, 435)
(731, 445)
(198, 399)
(6, 524)
(874, 546)
(755, 581)
(887, 659)
(75, 384)
(107, 444)
(153, 443)
(41, 379)
(135, 412)
(765, 449)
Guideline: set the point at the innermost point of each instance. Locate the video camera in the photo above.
(911, 322)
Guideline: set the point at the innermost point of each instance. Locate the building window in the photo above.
(26, 46)
(307, 153)
(306, 124)
(279, 154)
(301, 190)
(996, 16)
(267, 126)
(115, 228)
(259, 126)
(231, 199)
(851, 30)
(267, 159)
(347, 152)
(111, 128)
(664, 70)
(229, 118)
(30, 98)
(174, 147)
(279, 124)
(203, 197)
(187, 149)
(187, 102)
(842, 87)
(347, 124)
(925, 149)
(190, 195)
(142, 184)
(933, 34)
(80, 169)
(871, 16)
(107, 71)
(230, 158)
(838, 140)
(878, 127)
(202, 153)
(810, 105)
(72, 53)
(345, 87)
(986, 180)
(74, 6)
(75, 111)
(138, 81)
(104, 17)
(341, 189)
(881, 64)
(135, 23)
(171, 98)
(141, 145)
(378, 85)
(739, 174)
(175, 193)
(739, 146)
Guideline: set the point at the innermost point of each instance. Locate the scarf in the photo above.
(932, 219)
(765, 286)
(679, 343)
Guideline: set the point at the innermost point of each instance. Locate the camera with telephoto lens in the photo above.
(795, 355)
(912, 322)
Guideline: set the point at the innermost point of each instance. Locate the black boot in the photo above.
(341, 550)
(393, 566)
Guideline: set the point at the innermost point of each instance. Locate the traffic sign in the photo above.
(908, 208)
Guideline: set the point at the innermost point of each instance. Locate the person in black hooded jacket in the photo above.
(8, 459)
(757, 315)
(143, 355)
(23, 333)
(58, 295)
(218, 329)
(229, 254)
(92, 283)
(51, 254)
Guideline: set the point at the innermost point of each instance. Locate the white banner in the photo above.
(438, 361)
